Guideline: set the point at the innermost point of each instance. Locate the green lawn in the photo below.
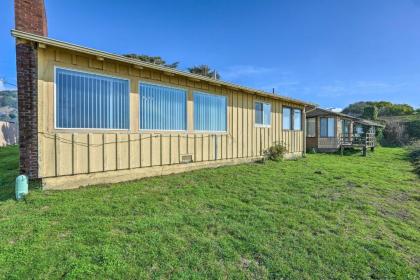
(321, 217)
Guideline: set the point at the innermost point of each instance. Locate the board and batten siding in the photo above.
(72, 152)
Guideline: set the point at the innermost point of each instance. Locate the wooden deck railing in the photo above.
(367, 140)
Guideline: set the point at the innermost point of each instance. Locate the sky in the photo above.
(330, 52)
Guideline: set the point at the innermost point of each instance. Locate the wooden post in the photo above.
(364, 150)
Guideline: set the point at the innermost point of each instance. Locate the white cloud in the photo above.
(240, 71)
(2, 86)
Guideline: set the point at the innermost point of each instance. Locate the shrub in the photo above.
(275, 152)
(395, 134)
(413, 129)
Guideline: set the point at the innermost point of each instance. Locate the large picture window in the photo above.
(90, 101)
(327, 127)
(162, 108)
(262, 114)
(209, 112)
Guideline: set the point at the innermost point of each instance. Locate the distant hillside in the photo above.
(384, 108)
(8, 105)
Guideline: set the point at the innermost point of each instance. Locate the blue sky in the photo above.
(325, 51)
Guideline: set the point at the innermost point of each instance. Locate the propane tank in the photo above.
(21, 186)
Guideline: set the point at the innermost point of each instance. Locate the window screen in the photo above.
(91, 101)
(209, 112)
(162, 108)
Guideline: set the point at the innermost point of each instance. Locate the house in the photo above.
(329, 131)
(89, 117)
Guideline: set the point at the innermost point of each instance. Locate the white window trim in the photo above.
(255, 122)
(163, 130)
(91, 73)
(210, 131)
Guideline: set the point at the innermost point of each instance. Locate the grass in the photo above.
(321, 217)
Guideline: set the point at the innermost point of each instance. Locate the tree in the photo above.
(384, 108)
(152, 59)
(204, 70)
(370, 113)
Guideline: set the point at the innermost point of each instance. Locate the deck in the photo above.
(364, 141)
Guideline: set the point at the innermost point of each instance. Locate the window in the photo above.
(262, 114)
(345, 127)
(162, 108)
(209, 112)
(327, 127)
(90, 101)
(311, 127)
(297, 119)
(287, 118)
(359, 129)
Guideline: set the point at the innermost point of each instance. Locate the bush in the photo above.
(395, 134)
(275, 152)
(413, 129)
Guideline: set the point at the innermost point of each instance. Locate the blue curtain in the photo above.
(91, 101)
(209, 112)
(162, 108)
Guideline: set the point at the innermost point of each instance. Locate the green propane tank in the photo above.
(21, 186)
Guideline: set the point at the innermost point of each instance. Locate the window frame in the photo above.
(167, 86)
(90, 73)
(315, 127)
(335, 127)
(226, 110)
(293, 119)
(255, 111)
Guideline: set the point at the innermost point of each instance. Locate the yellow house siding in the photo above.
(71, 152)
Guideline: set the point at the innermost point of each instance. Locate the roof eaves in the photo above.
(62, 44)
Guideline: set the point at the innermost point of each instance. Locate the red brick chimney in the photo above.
(30, 16)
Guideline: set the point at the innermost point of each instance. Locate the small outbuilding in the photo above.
(329, 131)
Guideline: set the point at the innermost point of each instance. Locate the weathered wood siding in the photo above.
(71, 152)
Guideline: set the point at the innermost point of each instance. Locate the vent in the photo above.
(186, 158)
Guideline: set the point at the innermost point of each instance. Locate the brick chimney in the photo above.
(30, 16)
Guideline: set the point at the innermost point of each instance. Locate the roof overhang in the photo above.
(46, 41)
(324, 112)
